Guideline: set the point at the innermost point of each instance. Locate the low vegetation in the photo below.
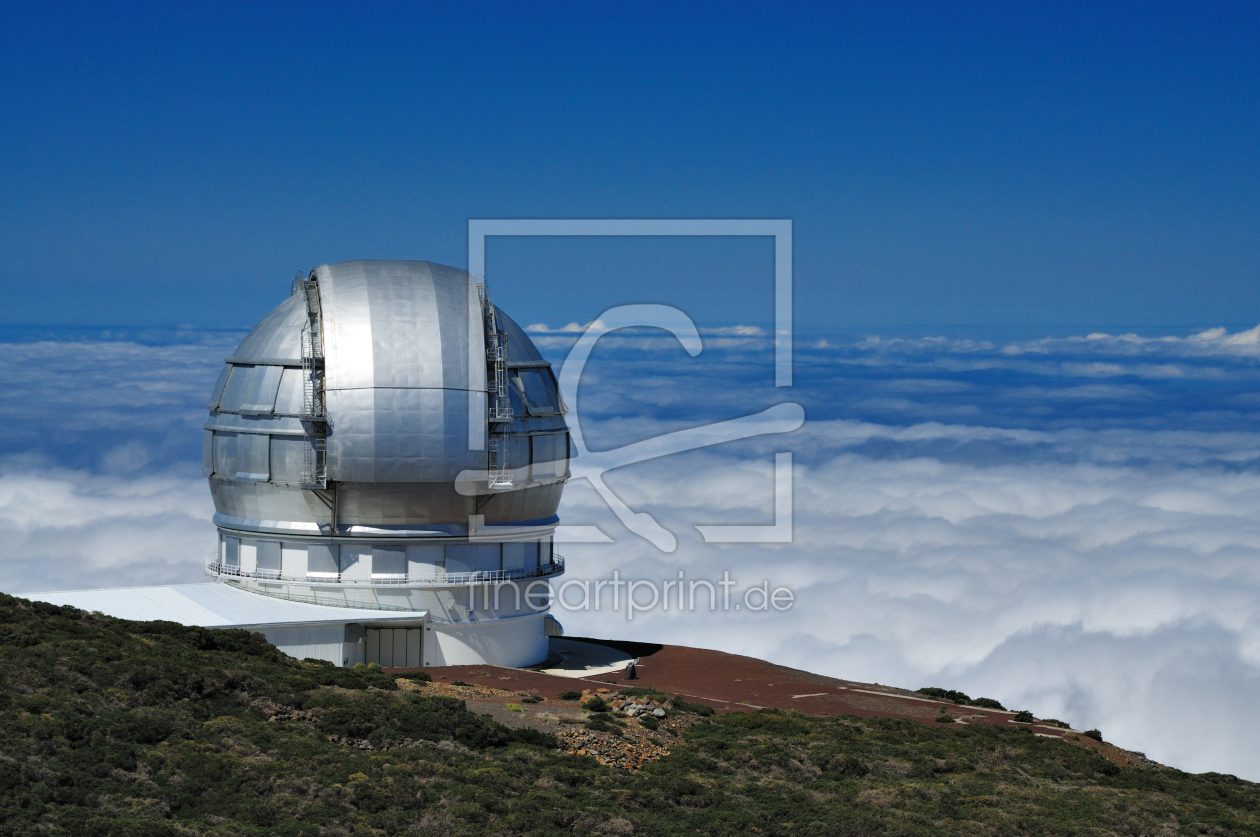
(960, 698)
(694, 708)
(124, 729)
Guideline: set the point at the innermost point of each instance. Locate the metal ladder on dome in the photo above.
(314, 417)
(499, 404)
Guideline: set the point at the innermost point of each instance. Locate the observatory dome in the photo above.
(387, 437)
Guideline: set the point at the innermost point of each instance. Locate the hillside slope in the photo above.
(121, 728)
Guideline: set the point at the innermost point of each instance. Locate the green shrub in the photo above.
(611, 720)
(597, 704)
(380, 680)
(525, 735)
(649, 722)
(460, 683)
(418, 676)
(570, 695)
(960, 698)
(379, 719)
(944, 719)
(1094, 734)
(532, 699)
(644, 692)
(603, 723)
(1024, 717)
(847, 765)
(693, 708)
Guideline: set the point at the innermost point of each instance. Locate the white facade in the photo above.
(301, 630)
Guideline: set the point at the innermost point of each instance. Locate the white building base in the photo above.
(515, 642)
(341, 635)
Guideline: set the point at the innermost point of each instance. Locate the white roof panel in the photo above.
(216, 605)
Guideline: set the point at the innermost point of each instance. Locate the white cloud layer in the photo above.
(69, 530)
(1106, 595)
(1081, 547)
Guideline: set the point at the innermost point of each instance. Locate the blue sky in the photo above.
(950, 165)
(1027, 298)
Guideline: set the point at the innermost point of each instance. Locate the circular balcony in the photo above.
(470, 579)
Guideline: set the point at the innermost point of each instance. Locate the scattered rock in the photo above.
(630, 752)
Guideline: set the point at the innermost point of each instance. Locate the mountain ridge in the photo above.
(112, 728)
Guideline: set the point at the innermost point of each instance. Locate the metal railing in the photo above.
(314, 417)
(499, 404)
(471, 579)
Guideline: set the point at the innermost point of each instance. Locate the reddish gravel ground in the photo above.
(732, 683)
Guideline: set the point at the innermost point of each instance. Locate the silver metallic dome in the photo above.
(351, 409)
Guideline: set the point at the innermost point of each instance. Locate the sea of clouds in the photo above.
(1068, 524)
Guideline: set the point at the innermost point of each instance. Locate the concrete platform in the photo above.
(583, 659)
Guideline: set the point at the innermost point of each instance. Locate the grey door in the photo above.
(395, 647)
